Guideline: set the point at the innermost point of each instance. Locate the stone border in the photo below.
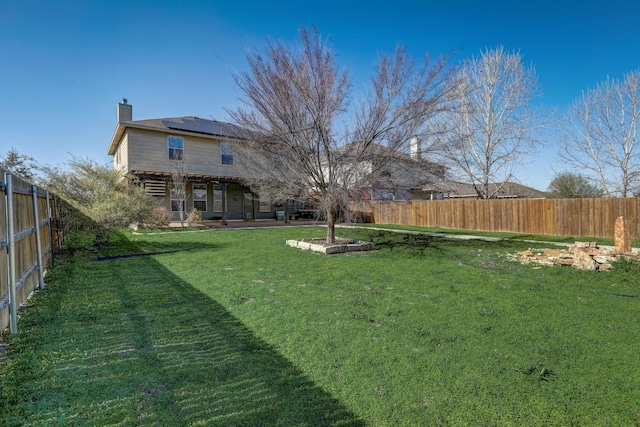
(341, 246)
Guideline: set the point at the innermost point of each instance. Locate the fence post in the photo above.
(58, 223)
(50, 222)
(36, 221)
(11, 240)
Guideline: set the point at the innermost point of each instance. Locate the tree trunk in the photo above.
(331, 227)
(181, 216)
(286, 211)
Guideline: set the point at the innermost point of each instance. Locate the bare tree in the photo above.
(491, 128)
(178, 190)
(308, 133)
(603, 140)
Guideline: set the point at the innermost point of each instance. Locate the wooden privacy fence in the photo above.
(554, 217)
(27, 243)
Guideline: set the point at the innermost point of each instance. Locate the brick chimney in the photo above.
(125, 111)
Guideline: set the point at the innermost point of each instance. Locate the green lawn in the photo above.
(233, 328)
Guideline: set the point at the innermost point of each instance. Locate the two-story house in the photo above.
(202, 150)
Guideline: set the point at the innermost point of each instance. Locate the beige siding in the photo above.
(200, 155)
(122, 154)
(147, 151)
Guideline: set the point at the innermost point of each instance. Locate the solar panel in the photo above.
(209, 127)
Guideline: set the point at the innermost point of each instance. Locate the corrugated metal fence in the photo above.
(554, 217)
(26, 241)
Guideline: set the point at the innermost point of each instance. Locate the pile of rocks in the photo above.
(586, 255)
(581, 255)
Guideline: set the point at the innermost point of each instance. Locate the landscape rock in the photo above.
(564, 261)
(621, 237)
(583, 261)
(604, 259)
(604, 267)
(583, 245)
(581, 255)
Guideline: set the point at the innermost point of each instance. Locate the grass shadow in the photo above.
(126, 342)
(409, 244)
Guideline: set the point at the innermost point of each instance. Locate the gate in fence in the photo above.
(26, 244)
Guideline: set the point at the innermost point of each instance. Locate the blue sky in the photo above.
(66, 64)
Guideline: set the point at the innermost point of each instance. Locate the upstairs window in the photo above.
(176, 147)
(226, 153)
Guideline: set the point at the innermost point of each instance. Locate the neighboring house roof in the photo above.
(506, 190)
(179, 125)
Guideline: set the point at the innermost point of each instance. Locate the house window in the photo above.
(265, 203)
(226, 153)
(217, 200)
(176, 147)
(200, 197)
(177, 201)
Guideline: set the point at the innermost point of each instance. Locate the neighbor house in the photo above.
(411, 177)
(500, 190)
(200, 150)
(393, 175)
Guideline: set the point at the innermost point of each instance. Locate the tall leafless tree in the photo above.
(491, 127)
(310, 135)
(603, 140)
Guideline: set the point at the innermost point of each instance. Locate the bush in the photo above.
(102, 198)
(158, 218)
(195, 218)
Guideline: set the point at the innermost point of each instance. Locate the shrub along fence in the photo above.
(554, 217)
(27, 242)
